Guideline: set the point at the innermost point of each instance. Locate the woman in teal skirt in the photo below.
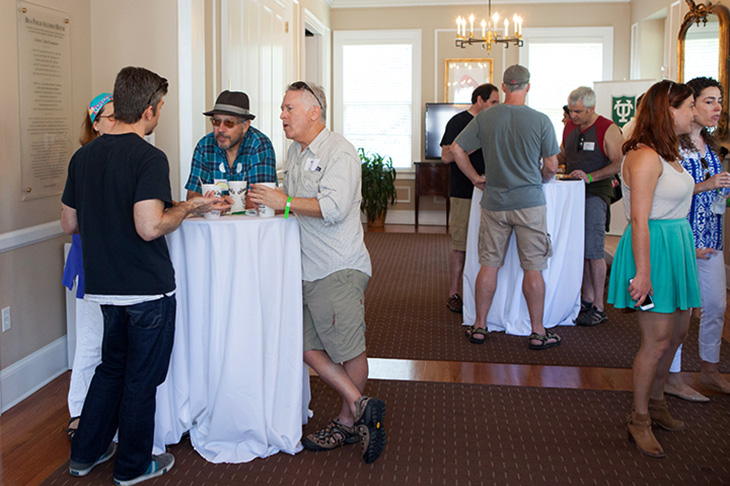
(655, 259)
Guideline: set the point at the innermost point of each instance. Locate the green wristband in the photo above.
(590, 178)
(288, 207)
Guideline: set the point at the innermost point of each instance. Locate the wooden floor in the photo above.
(33, 441)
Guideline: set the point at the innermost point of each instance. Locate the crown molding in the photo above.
(429, 3)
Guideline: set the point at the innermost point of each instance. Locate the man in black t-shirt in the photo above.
(460, 187)
(118, 198)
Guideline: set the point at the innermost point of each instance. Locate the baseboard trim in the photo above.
(28, 375)
(425, 218)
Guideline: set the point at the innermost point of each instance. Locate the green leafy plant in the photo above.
(378, 184)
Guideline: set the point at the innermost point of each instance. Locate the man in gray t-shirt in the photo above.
(513, 139)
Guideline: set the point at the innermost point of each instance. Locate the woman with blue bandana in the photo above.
(89, 322)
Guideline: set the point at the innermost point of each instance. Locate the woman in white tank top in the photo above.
(655, 257)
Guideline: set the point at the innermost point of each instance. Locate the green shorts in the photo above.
(334, 314)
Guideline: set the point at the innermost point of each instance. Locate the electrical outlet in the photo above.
(6, 319)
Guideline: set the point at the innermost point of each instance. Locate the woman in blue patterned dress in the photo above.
(700, 158)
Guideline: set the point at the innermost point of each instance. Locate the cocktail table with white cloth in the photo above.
(563, 277)
(237, 379)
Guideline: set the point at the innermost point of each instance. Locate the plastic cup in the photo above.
(213, 213)
(237, 191)
(266, 211)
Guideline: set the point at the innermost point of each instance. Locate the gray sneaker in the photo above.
(592, 318)
(159, 466)
(83, 468)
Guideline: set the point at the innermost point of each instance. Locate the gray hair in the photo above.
(511, 88)
(583, 94)
(313, 95)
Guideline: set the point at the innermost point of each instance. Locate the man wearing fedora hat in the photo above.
(234, 150)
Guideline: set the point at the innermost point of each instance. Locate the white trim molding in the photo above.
(25, 377)
(30, 236)
(450, 3)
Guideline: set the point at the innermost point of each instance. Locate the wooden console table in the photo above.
(432, 179)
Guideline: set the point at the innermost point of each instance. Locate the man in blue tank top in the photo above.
(591, 151)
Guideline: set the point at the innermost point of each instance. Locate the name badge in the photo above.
(589, 146)
(312, 165)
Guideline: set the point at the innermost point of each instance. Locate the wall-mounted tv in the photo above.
(437, 116)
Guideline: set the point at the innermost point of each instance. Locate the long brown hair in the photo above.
(655, 123)
(88, 133)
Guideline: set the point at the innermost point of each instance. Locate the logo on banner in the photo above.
(623, 109)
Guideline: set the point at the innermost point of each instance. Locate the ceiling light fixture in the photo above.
(489, 31)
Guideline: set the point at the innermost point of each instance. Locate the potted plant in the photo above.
(378, 186)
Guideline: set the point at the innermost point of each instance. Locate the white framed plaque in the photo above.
(44, 58)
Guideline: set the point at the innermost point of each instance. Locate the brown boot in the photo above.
(639, 426)
(660, 415)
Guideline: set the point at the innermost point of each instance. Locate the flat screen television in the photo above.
(437, 116)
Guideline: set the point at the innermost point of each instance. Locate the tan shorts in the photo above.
(459, 222)
(334, 314)
(530, 228)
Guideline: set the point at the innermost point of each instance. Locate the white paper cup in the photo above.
(212, 214)
(266, 211)
(237, 191)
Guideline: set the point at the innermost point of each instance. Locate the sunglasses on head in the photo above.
(299, 85)
(227, 123)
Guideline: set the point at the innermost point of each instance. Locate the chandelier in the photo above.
(488, 30)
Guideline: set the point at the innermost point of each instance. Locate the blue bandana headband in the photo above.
(97, 104)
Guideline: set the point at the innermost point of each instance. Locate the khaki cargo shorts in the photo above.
(459, 222)
(530, 228)
(334, 314)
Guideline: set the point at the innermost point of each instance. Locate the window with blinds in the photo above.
(377, 93)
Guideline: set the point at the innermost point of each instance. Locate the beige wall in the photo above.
(140, 33)
(30, 277)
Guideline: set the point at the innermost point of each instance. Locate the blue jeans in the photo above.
(135, 357)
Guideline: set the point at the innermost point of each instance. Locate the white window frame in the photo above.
(571, 35)
(366, 37)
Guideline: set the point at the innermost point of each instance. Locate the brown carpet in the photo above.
(517, 436)
(407, 318)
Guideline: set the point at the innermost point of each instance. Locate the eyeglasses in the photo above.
(705, 167)
(581, 139)
(300, 85)
(227, 123)
(109, 117)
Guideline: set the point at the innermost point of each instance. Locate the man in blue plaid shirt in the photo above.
(234, 150)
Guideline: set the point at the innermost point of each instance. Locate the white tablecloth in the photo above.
(236, 377)
(563, 277)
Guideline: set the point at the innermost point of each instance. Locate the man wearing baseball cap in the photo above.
(513, 138)
(234, 150)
